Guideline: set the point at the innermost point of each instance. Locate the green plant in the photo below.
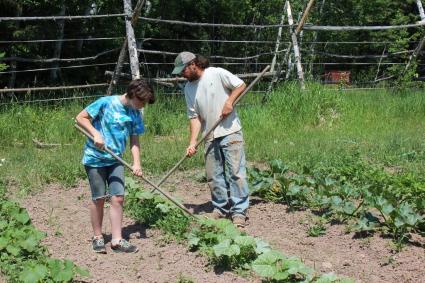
(349, 192)
(316, 230)
(225, 245)
(23, 258)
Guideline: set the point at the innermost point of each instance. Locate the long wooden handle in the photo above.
(123, 162)
(248, 88)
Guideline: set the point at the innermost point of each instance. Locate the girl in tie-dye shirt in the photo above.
(111, 121)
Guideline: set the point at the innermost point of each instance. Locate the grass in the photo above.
(311, 128)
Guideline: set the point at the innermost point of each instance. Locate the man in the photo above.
(210, 93)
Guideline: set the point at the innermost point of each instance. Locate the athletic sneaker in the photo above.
(124, 247)
(239, 220)
(98, 245)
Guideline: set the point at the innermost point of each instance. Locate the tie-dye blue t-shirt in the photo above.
(116, 123)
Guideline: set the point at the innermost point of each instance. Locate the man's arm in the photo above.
(195, 128)
(135, 152)
(228, 105)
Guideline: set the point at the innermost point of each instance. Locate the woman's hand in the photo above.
(98, 141)
(137, 170)
(191, 150)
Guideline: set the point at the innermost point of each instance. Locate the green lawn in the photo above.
(317, 127)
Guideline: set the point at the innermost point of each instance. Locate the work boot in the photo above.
(239, 220)
(216, 214)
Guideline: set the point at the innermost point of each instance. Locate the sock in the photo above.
(115, 242)
(98, 237)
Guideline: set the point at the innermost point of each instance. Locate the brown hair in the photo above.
(201, 62)
(142, 90)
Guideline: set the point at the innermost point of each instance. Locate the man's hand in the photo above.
(137, 170)
(227, 109)
(191, 150)
(98, 141)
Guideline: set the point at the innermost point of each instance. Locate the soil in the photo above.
(63, 215)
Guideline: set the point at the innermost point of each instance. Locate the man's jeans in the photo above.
(226, 173)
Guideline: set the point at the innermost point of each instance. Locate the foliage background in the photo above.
(350, 12)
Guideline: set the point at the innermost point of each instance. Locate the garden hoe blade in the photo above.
(123, 162)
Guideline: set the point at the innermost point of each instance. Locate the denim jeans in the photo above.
(226, 173)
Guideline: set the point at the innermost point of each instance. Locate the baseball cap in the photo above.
(181, 61)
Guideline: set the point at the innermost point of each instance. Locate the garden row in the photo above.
(220, 241)
(356, 192)
(22, 257)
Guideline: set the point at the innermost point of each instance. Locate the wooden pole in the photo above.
(209, 131)
(123, 162)
(415, 54)
(279, 36)
(55, 72)
(295, 46)
(278, 72)
(123, 52)
(421, 43)
(421, 9)
(304, 17)
(131, 42)
(380, 61)
(313, 45)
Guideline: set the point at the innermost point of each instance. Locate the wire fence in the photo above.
(162, 61)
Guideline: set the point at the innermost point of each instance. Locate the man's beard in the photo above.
(192, 77)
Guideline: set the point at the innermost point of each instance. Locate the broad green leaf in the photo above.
(29, 244)
(13, 250)
(399, 222)
(193, 242)
(380, 201)
(412, 219)
(33, 274)
(292, 265)
(293, 189)
(261, 246)
(266, 264)
(329, 181)
(270, 257)
(281, 276)
(22, 217)
(264, 269)
(3, 242)
(226, 248)
(245, 241)
(311, 180)
(349, 207)
(336, 201)
(387, 208)
(165, 208)
(231, 231)
(327, 278)
(145, 195)
(3, 224)
(277, 166)
(64, 276)
(55, 267)
(82, 271)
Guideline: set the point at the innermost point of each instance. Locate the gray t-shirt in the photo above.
(205, 99)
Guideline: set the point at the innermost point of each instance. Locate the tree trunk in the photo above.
(55, 72)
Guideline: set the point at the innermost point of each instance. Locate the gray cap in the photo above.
(181, 61)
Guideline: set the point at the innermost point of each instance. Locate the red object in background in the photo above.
(337, 77)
